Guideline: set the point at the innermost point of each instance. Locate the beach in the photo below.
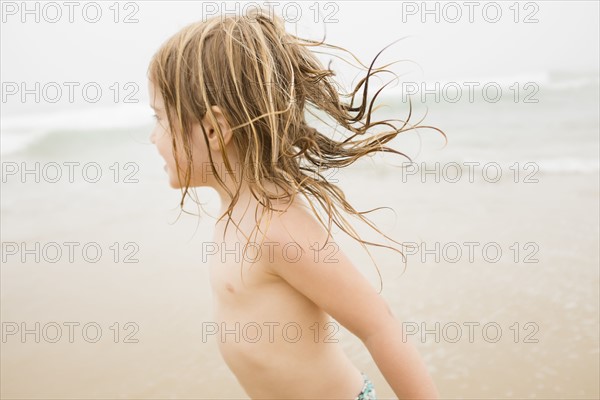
(500, 295)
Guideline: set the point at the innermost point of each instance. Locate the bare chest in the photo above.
(237, 269)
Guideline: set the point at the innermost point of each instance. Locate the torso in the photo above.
(273, 338)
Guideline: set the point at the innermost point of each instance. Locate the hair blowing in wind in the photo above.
(265, 79)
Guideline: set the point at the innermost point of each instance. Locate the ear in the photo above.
(211, 128)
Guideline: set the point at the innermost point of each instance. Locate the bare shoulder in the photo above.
(296, 237)
(298, 225)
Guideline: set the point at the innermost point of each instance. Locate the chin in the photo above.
(174, 182)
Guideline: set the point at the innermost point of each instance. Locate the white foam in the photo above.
(548, 80)
(569, 165)
(19, 131)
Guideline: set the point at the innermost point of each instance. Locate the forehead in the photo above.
(156, 100)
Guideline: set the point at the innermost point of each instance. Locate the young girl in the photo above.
(230, 96)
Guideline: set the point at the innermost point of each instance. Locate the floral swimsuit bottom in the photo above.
(368, 391)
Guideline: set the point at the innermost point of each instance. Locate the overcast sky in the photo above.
(565, 37)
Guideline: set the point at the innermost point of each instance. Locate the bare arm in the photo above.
(342, 291)
(400, 363)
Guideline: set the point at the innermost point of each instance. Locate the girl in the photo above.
(230, 96)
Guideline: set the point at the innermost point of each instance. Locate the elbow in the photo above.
(390, 327)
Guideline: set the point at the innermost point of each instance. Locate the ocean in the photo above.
(550, 118)
(500, 292)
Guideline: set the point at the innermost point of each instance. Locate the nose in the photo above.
(152, 137)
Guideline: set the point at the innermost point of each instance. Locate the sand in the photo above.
(166, 296)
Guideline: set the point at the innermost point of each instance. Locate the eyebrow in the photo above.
(155, 108)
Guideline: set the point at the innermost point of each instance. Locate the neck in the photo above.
(247, 204)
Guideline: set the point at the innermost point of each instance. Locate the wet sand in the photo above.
(166, 295)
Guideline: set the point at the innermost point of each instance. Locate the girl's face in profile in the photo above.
(161, 136)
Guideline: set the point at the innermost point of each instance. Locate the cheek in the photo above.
(163, 144)
(201, 166)
(171, 164)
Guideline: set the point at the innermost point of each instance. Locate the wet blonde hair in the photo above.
(264, 79)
